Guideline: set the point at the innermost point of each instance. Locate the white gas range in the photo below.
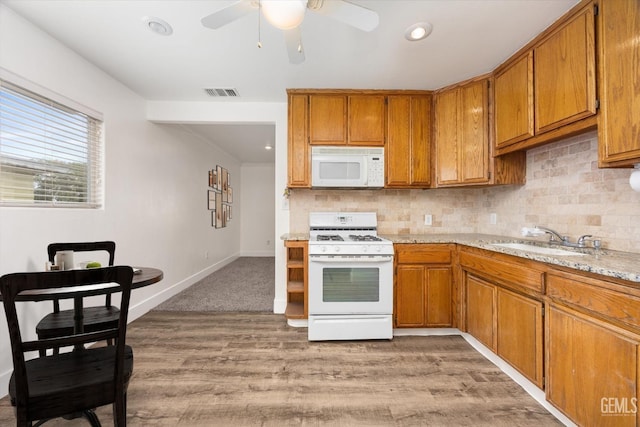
(350, 277)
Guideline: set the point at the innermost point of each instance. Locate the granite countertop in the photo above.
(295, 236)
(621, 265)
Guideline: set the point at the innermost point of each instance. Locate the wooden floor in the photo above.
(249, 369)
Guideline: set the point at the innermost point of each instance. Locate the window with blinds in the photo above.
(50, 153)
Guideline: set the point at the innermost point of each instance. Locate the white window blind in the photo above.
(50, 154)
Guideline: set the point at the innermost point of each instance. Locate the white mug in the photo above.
(65, 258)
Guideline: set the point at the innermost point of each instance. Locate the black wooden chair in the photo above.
(60, 323)
(74, 382)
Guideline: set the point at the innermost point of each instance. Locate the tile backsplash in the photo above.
(564, 191)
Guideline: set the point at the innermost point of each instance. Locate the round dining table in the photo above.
(143, 276)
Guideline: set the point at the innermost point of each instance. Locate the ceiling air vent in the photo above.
(222, 92)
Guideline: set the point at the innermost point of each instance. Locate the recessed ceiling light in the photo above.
(418, 31)
(157, 25)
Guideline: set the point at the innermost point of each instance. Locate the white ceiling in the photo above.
(470, 37)
(245, 142)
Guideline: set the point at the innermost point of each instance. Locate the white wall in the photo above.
(258, 222)
(156, 182)
(239, 113)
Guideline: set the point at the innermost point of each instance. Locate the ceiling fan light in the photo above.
(418, 31)
(284, 14)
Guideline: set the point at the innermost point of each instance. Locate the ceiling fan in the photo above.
(287, 15)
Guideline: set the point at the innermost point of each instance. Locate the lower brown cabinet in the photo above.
(480, 310)
(423, 286)
(592, 370)
(520, 333)
(509, 323)
(592, 356)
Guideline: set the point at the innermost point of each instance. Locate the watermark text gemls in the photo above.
(619, 406)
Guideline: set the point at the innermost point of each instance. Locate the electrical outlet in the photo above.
(493, 218)
(428, 219)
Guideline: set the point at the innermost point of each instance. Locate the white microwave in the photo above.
(347, 167)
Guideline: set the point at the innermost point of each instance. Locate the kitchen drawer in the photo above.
(501, 270)
(594, 296)
(423, 253)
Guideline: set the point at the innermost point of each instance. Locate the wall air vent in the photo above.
(217, 92)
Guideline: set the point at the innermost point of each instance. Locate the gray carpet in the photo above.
(247, 284)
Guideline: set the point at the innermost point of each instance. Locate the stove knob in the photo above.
(378, 248)
(323, 249)
(365, 249)
(337, 248)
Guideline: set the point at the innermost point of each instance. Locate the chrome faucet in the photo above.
(580, 242)
(555, 236)
(557, 239)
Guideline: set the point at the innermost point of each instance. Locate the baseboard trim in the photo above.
(424, 332)
(279, 306)
(298, 323)
(4, 382)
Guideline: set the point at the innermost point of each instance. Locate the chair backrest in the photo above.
(39, 283)
(107, 245)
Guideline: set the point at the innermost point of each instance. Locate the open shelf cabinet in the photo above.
(297, 279)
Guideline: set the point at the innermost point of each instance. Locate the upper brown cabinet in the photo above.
(366, 122)
(361, 118)
(565, 73)
(462, 134)
(408, 150)
(463, 140)
(298, 153)
(341, 119)
(619, 66)
(327, 119)
(447, 145)
(514, 101)
(547, 91)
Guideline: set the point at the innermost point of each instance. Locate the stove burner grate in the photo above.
(329, 237)
(365, 238)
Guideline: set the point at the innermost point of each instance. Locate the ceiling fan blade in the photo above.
(227, 14)
(351, 14)
(293, 39)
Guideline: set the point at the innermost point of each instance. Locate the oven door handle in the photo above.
(340, 259)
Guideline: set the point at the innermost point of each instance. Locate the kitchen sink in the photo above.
(543, 250)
